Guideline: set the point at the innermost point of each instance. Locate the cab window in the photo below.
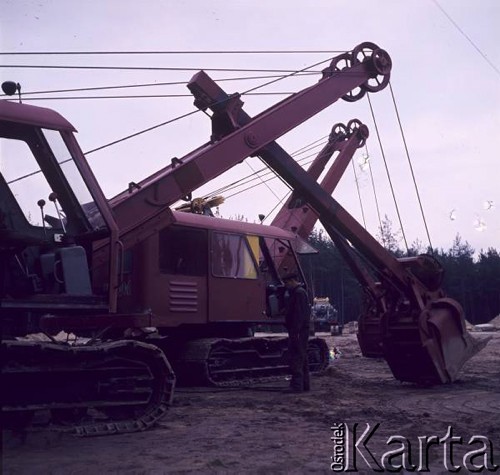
(232, 256)
(183, 251)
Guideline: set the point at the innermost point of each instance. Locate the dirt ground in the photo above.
(261, 430)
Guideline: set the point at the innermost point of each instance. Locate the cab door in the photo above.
(236, 289)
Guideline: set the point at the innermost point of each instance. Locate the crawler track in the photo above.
(105, 388)
(236, 362)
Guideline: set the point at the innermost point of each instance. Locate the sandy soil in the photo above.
(262, 430)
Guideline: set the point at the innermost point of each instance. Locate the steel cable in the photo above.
(165, 52)
(411, 166)
(374, 190)
(359, 193)
(248, 179)
(170, 83)
(387, 172)
(148, 129)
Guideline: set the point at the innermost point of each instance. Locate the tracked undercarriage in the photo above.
(102, 388)
(227, 362)
(126, 385)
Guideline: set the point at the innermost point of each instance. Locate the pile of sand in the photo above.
(62, 336)
(491, 326)
(350, 327)
(496, 322)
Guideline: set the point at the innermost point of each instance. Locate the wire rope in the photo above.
(411, 166)
(143, 96)
(262, 181)
(359, 193)
(165, 52)
(114, 142)
(455, 24)
(387, 172)
(248, 179)
(169, 83)
(374, 190)
(148, 129)
(290, 72)
(285, 197)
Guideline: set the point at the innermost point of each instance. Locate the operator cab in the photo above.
(195, 269)
(49, 218)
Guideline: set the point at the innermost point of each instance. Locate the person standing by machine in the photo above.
(297, 321)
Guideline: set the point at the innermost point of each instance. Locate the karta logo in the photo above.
(351, 451)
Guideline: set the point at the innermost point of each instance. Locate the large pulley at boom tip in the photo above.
(377, 61)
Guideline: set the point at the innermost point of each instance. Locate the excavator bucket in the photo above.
(434, 348)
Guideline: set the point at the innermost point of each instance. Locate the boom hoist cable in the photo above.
(161, 124)
(246, 180)
(372, 180)
(113, 143)
(265, 171)
(356, 180)
(264, 182)
(374, 189)
(144, 96)
(155, 84)
(147, 68)
(312, 145)
(165, 52)
(284, 73)
(411, 167)
(388, 173)
(291, 74)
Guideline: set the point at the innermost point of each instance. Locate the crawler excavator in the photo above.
(407, 317)
(111, 270)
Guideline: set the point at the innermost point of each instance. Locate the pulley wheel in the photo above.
(355, 126)
(339, 64)
(339, 132)
(380, 64)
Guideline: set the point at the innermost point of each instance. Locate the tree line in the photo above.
(474, 281)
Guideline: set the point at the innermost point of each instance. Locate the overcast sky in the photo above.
(446, 87)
